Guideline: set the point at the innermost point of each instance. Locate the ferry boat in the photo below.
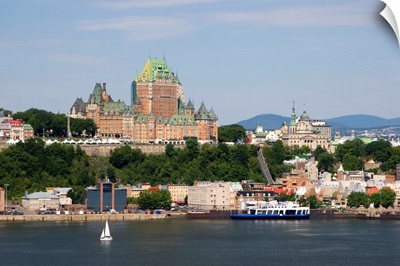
(272, 210)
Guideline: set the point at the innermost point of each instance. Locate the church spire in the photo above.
(293, 119)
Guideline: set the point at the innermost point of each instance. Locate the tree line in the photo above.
(385, 198)
(47, 124)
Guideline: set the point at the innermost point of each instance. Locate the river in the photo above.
(202, 242)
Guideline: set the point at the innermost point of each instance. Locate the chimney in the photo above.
(26, 193)
(104, 86)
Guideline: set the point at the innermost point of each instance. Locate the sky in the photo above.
(242, 58)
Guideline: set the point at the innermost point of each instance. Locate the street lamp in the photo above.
(6, 185)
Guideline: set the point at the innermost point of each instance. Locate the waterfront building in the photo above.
(133, 191)
(178, 193)
(40, 201)
(304, 132)
(206, 195)
(105, 198)
(157, 114)
(62, 194)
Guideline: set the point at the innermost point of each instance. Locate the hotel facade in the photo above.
(157, 113)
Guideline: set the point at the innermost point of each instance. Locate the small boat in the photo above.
(105, 235)
(273, 210)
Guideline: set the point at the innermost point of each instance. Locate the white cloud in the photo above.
(140, 28)
(318, 15)
(149, 3)
(76, 59)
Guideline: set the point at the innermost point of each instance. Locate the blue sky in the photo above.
(243, 58)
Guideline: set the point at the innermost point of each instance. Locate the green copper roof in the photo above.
(156, 68)
(190, 105)
(95, 97)
(212, 114)
(28, 126)
(141, 118)
(115, 107)
(182, 120)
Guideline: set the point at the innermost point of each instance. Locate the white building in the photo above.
(206, 195)
(304, 132)
(61, 193)
(40, 200)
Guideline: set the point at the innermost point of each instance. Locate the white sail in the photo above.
(105, 235)
(107, 230)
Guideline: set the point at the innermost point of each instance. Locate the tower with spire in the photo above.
(305, 132)
(158, 112)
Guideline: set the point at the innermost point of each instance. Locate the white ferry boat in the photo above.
(272, 210)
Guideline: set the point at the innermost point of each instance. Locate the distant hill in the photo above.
(360, 121)
(267, 121)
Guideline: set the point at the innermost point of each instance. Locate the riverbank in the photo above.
(89, 217)
(315, 214)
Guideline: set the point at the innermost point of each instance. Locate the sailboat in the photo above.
(105, 235)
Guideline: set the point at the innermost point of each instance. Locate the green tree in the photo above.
(154, 199)
(314, 202)
(302, 150)
(319, 150)
(355, 148)
(5, 112)
(231, 133)
(192, 149)
(379, 150)
(326, 162)
(352, 162)
(385, 197)
(78, 195)
(356, 199)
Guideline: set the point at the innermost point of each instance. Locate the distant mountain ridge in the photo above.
(359, 121)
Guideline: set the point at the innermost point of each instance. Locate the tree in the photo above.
(355, 148)
(302, 150)
(231, 133)
(379, 150)
(192, 148)
(121, 157)
(385, 197)
(319, 150)
(356, 199)
(5, 112)
(285, 197)
(154, 199)
(78, 195)
(325, 162)
(169, 150)
(352, 162)
(314, 202)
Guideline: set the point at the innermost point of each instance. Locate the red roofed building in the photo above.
(17, 129)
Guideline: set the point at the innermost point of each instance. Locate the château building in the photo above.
(304, 132)
(157, 113)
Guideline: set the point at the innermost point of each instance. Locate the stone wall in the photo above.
(105, 150)
(84, 217)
